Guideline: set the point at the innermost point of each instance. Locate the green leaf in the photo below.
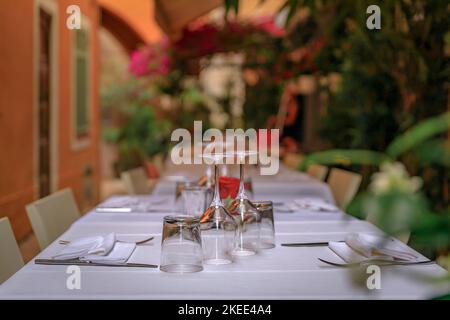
(110, 135)
(292, 5)
(434, 152)
(231, 5)
(443, 297)
(418, 134)
(344, 157)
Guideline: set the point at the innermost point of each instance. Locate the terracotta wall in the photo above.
(72, 162)
(17, 156)
(16, 111)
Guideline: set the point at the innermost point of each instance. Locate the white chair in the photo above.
(52, 215)
(10, 258)
(344, 185)
(136, 181)
(317, 171)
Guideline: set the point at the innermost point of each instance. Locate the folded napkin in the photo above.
(316, 204)
(101, 249)
(118, 204)
(360, 247)
(120, 253)
(132, 204)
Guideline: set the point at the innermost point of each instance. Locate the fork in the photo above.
(65, 242)
(380, 262)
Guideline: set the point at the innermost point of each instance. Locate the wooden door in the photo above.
(44, 104)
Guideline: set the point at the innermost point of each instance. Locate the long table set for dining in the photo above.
(279, 237)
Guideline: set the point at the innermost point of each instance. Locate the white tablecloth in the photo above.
(279, 273)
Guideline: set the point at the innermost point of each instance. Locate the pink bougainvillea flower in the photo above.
(139, 62)
(267, 24)
(152, 60)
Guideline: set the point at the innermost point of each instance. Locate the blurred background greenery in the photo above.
(383, 107)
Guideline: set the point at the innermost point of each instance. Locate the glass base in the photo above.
(243, 252)
(266, 245)
(181, 268)
(217, 261)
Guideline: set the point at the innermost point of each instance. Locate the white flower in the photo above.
(394, 177)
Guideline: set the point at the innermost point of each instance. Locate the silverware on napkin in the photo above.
(147, 239)
(77, 262)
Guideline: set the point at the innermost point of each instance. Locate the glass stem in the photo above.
(209, 177)
(216, 200)
(241, 192)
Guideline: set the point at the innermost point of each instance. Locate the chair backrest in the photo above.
(344, 185)
(135, 181)
(10, 257)
(317, 171)
(52, 215)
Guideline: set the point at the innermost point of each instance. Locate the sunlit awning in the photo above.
(172, 16)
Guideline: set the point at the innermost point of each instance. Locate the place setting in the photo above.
(359, 249)
(110, 250)
(305, 205)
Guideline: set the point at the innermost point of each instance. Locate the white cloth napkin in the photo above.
(118, 204)
(120, 253)
(123, 204)
(315, 204)
(101, 249)
(99, 245)
(360, 247)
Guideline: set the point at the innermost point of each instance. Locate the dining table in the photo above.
(278, 273)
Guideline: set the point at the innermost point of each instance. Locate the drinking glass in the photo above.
(218, 229)
(267, 235)
(181, 245)
(247, 217)
(180, 186)
(194, 201)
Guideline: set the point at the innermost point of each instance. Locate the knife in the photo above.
(129, 210)
(92, 264)
(306, 244)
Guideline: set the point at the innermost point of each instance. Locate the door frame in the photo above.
(51, 8)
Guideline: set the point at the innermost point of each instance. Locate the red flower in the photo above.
(198, 39)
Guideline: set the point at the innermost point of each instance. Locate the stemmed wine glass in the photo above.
(246, 214)
(218, 227)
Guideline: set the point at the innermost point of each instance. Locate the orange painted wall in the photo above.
(16, 111)
(72, 163)
(17, 185)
